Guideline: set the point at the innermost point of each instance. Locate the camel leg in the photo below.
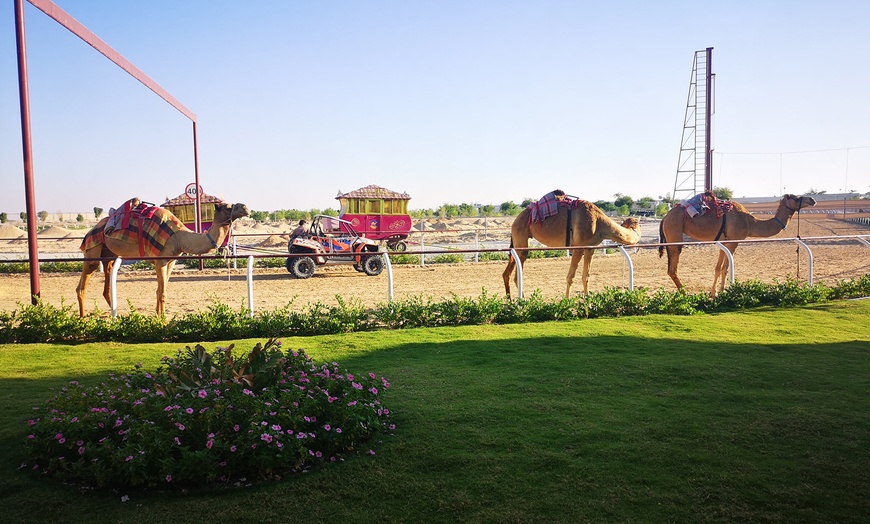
(576, 255)
(673, 260)
(88, 268)
(107, 281)
(507, 275)
(510, 267)
(722, 266)
(587, 263)
(162, 277)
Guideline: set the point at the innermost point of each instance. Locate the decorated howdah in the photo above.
(378, 213)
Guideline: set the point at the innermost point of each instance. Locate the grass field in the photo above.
(757, 416)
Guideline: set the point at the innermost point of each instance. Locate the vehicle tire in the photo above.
(373, 265)
(301, 267)
(399, 246)
(358, 267)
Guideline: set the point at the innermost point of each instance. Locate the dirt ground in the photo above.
(190, 290)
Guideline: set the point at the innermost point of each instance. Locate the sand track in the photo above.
(190, 290)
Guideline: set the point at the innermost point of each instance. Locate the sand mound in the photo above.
(54, 232)
(8, 232)
(274, 241)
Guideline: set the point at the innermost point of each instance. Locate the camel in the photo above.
(589, 227)
(180, 241)
(736, 224)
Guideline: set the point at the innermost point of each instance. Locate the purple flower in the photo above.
(129, 458)
(233, 449)
(327, 427)
(267, 438)
(168, 478)
(189, 411)
(202, 393)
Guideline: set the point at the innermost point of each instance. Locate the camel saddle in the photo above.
(548, 206)
(137, 222)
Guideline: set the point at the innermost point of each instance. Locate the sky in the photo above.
(451, 101)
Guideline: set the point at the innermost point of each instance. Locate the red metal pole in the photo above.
(708, 161)
(198, 202)
(30, 197)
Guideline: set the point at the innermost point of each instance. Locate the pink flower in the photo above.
(189, 411)
(338, 430)
(209, 444)
(233, 449)
(327, 427)
(129, 458)
(267, 438)
(371, 452)
(168, 478)
(81, 450)
(202, 393)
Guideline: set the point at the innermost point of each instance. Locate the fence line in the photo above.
(511, 252)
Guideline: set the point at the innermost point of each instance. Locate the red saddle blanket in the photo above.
(149, 227)
(548, 206)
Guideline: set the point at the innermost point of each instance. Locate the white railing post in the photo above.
(730, 260)
(519, 266)
(251, 284)
(235, 252)
(809, 260)
(389, 266)
(114, 286)
(630, 267)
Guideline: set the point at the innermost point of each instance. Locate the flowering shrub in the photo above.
(205, 418)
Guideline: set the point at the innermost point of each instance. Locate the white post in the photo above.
(630, 267)
(730, 260)
(809, 260)
(251, 284)
(235, 252)
(519, 266)
(389, 266)
(114, 286)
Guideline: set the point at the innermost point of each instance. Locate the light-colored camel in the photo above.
(589, 227)
(736, 224)
(182, 241)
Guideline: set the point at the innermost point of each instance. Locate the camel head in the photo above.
(795, 203)
(631, 223)
(224, 214)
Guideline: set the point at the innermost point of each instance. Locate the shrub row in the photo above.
(46, 323)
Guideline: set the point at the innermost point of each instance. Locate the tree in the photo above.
(622, 200)
(605, 206)
(98, 212)
(43, 215)
(80, 218)
(487, 210)
(527, 202)
(723, 193)
(661, 210)
(467, 210)
(260, 216)
(3, 217)
(645, 202)
(23, 216)
(507, 208)
(623, 210)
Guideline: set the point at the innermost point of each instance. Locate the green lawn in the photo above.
(759, 416)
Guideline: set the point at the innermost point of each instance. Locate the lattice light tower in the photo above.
(695, 166)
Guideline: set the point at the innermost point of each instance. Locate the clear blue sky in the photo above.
(452, 101)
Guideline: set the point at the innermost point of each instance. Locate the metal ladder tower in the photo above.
(695, 165)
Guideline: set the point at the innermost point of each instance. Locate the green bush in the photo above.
(446, 258)
(492, 255)
(405, 258)
(219, 321)
(207, 418)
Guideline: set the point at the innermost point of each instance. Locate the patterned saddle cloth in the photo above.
(548, 206)
(139, 223)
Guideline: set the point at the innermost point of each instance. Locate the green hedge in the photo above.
(46, 323)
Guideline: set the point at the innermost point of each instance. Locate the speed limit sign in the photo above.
(191, 191)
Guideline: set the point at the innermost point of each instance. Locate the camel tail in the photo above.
(661, 237)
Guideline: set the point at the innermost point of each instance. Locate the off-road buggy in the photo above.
(330, 240)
